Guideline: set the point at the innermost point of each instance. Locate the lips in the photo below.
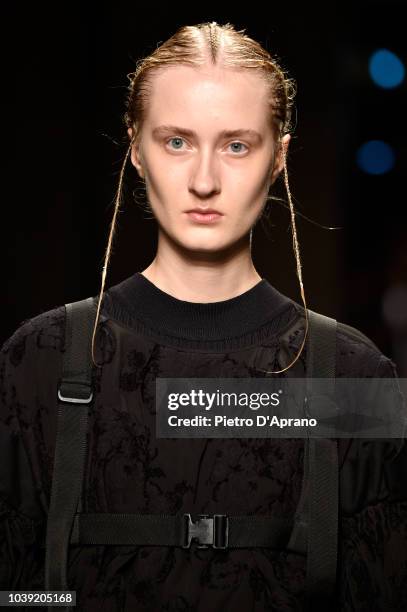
(204, 211)
(208, 216)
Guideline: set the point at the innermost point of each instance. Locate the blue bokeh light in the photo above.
(386, 69)
(375, 157)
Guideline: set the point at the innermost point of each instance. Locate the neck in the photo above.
(203, 276)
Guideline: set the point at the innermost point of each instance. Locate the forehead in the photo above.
(208, 97)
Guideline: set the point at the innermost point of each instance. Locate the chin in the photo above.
(205, 246)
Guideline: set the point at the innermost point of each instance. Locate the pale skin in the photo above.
(232, 174)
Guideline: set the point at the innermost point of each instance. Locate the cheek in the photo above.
(161, 187)
(165, 176)
(252, 189)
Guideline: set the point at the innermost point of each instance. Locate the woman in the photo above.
(200, 309)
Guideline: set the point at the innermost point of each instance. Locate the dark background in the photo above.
(64, 85)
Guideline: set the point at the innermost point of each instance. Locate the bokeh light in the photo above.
(375, 157)
(386, 69)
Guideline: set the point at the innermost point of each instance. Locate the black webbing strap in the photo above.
(229, 531)
(74, 396)
(316, 528)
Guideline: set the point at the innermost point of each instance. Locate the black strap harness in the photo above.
(313, 531)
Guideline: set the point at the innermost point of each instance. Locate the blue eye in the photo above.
(238, 143)
(175, 138)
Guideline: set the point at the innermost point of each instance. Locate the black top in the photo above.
(239, 321)
(145, 333)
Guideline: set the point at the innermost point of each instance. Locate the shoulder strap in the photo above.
(316, 523)
(74, 396)
(323, 472)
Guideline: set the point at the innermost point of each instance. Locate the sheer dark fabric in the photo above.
(145, 333)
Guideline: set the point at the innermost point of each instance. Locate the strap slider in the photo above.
(75, 392)
(208, 531)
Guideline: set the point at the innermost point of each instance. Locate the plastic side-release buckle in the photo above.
(207, 530)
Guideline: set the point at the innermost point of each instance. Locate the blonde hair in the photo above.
(196, 46)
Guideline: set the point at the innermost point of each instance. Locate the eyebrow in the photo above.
(163, 129)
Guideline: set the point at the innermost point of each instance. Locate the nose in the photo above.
(204, 178)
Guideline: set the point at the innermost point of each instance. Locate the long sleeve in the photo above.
(373, 540)
(22, 505)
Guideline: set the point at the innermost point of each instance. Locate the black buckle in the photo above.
(207, 531)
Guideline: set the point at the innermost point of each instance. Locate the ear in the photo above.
(279, 160)
(135, 155)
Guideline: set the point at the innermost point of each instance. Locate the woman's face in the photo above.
(197, 164)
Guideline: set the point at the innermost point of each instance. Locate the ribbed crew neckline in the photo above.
(144, 302)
